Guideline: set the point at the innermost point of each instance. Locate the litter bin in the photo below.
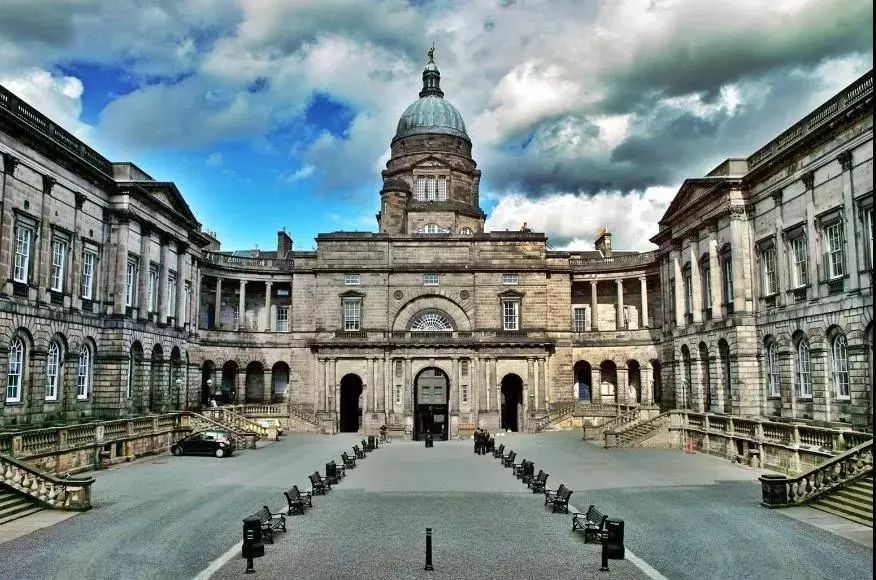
(774, 490)
(331, 472)
(428, 440)
(372, 442)
(614, 540)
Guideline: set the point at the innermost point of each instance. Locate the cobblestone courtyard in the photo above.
(687, 516)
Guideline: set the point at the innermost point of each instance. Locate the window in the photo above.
(431, 322)
(399, 368)
(463, 392)
(510, 315)
(463, 367)
(53, 359)
(867, 218)
(59, 260)
(171, 295)
(398, 394)
(153, 289)
(804, 377)
(580, 319)
(420, 194)
(431, 229)
(187, 291)
(129, 379)
(688, 292)
(441, 193)
(282, 318)
(352, 314)
(727, 266)
(23, 237)
(773, 362)
(351, 279)
(88, 261)
(430, 279)
(768, 271)
(466, 232)
(83, 373)
(130, 283)
(705, 272)
(799, 259)
(430, 188)
(835, 253)
(840, 366)
(510, 279)
(13, 373)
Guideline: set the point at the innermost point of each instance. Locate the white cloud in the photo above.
(214, 160)
(57, 97)
(301, 173)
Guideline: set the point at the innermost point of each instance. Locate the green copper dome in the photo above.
(431, 114)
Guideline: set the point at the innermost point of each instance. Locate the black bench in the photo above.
(349, 462)
(592, 522)
(297, 501)
(498, 452)
(270, 522)
(537, 483)
(359, 453)
(509, 460)
(365, 447)
(319, 486)
(520, 468)
(528, 473)
(561, 501)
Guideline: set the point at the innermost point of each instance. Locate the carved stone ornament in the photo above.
(10, 162)
(845, 160)
(48, 183)
(464, 295)
(737, 212)
(398, 294)
(777, 196)
(808, 179)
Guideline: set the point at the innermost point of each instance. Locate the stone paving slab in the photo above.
(23, 526)
(844, 528)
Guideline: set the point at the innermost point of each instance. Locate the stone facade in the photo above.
(430, 322)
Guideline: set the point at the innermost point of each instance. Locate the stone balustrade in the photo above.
(62, 494)
(225, 416)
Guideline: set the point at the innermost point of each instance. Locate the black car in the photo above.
(216, 443)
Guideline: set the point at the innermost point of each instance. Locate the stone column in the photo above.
(737, 242)
(620, 323)
(494, 384)
(622, 388)
(163, 281)
(268, 325)
(217, 308)
(595, 384)
(407, 389)
(371, 390)
(475, 383)
(334, 386)
(453, 403)
(387, 383)
(715, 276)
(42, 256)
(643, 284)
(143, 278)
(845, 160)
(679, 289)
(121, 243)
(594, 305)
(319, 391)
(695, 282)
(530, 386)
(179, 315)
(647, 383)
(241, 308)
(540, 396)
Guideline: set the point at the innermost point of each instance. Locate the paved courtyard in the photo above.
(687, 516)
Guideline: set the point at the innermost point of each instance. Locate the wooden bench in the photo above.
(359, 453)
(349, 462)
(508, 461)
(519, 468)
(561, 501)
(365, 447)
(317, 484)
(592, 522)
(498, 452)
(297, 501)
(537, 483)
(270, 522)
(528, 473)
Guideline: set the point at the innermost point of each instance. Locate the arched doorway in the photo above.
(208, 369)
(656, 381)
(156, 370)
(608, 376)
(280, 380)
(704, 373)
(175, 380)
(432, 394)
(634, 378)
(686, 367)
(582, 372)
(512, 402)
(229, 373)
(135, 375)
(725, 394)
(349, 410)
(255, 383)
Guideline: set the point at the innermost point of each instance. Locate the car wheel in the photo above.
(176, 451)
(220, 453)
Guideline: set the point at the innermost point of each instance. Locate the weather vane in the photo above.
(431, 54)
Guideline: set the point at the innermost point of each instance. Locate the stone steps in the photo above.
(852, 501)
(14, 506)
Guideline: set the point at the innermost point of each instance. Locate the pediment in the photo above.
(167, 195)
(692, 193)
(431, 162)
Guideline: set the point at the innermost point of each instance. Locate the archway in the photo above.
(432, 394)
(656, 381)
(255, 383)
(583, 378)
(608, 376)
(135, 375)
(349, 411)
(706, 379)
(175, 381)
(280, 381)
(229, 374)
(512, 402)
(634, 378)
(155, 374)
(725, 393)
(686, 367)
(208, 369)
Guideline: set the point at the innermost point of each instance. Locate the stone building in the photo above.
(118, 303)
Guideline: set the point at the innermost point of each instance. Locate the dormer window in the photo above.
(431, 188)
(431, 229)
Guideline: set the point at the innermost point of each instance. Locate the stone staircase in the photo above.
(852, 501)
(632, 433)
(14, 505)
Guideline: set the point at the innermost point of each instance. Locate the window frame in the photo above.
(15, 368)
(798, 247)
(58, 268)
(514, 317)
(428, 280)
(582, 327)
(53, 359)
(87, 276)
(727, 278)
(839, 367)
(687, 283)
(352, 279)
(774, 375)
(834, 266)
(171, 294)
(83, 373)
(706, 282)
(769, 275)
(22, 252)
(803, 369)
(152, 289)
(510, 279)
(281, 324)
(131, 282)
(351, 324)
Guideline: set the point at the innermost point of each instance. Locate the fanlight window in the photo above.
(431, 322)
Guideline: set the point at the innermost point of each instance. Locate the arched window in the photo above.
(14, 372)
(83, 373)
(431, 322)
(53, 359)
(431, 229)
(129, 379)
(804, 377)
(773, 362)
(840, 364)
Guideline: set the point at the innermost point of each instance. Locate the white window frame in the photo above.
(775, 379)
(53, 368)
(839, 358)
(23, 242)
(430, 188)
(510, 314)
(688, 291)
(705, 273)
(579, 323)
(59, 265)
(83, 373)
(282, 323)
(171, 295)
(727, 278)
(867, 221)
(431, 229)
(799, 254)
(352, 310)
(420, 194)
(834, 250)
(431, 279)
(130, 283)
(769, 276)
(510, 279)
(89, 259)
(151, 302)
(15, 371)
(441, 188)
(466, 232)
(352, 279)
(804, 370)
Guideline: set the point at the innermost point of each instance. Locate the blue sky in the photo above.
(279, 113)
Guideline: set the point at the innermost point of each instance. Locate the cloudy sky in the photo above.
(279, 113)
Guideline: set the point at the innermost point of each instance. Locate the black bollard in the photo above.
(604, 537)
(249, 566)
(428, 550)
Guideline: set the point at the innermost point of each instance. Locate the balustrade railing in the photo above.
(617, 423)
(630, 436)
(745, 428)
(226, 417)
(81, 434)
(48, 490)
(818, 438)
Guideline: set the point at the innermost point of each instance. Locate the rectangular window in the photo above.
(510, 279)
(463, 391)
(52, 359)
(59, 261)
(130, 283)
(352, 314)
(463, 367)
(442, 188)
(83, 374)
(688, 292)
(153, 289)
(430, 188)
(89, 259)
(769, 279)
(399, 369)
(282, 318)
(398, 394)
(510, 315)
(775, 379)
(351, 279)
(421, 189)
(727, 266)
(833, 234)
(430, 279)
(707, 286)
(868, 235)
(23, 237)
(799, 259)
(580, 319)
(171, 295)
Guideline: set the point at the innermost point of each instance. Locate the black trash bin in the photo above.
(372, 442)
(331, 472)
(428, 440)
(614, 541)
(774, 489)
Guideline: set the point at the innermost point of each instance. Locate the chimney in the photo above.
(603, 242)
(284, 244)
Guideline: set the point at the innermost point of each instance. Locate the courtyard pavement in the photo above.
(687, 516)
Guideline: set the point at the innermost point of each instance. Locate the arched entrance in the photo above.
(432, 395)
(208, 369)
(155, 371)
(583, 377)
(608, 377)
(349, 411)
(634, 378)
(656, 381)
(255, 383)
(280, 380)
(175, 382)
(512, 402)
(229, 373)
